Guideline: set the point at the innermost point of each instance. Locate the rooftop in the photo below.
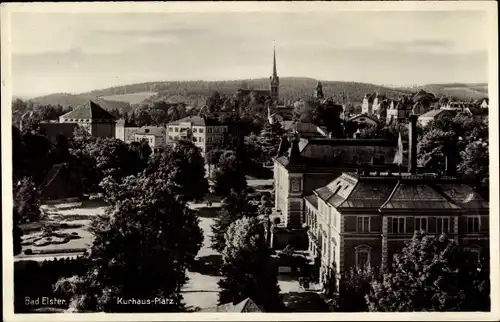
(245, 306)
(151, 130)
(196, 121)
(400, 191)
(89, 111)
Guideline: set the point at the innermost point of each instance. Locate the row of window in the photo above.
(398, 225)
(198, 130)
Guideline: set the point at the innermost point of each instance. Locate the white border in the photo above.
(202, 7)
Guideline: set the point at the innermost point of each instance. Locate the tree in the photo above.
(354, 287)
(141, 250)
(185, 167)
(26, 201)
(37, 153)
(432, 274)
(248, 269)
(234, 207)
(17, 233)
(475, 163)
(229, 174)
(431, 149)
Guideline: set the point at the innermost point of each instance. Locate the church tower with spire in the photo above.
(274, 81)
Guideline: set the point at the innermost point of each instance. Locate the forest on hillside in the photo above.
(196, 93)
(291, 89)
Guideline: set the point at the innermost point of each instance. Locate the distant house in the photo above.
(125, 133)
(371, 103)
(484, 103)
(303, 129)
(364, 119)
(434, 115)
(93, 118)
(154, 135)
(478, 113)
(62, 182)
(205, 132)
(456, 105)
(245, 306)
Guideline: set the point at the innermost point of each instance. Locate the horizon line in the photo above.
(28, 96)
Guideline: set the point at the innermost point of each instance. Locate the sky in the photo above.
(77, 52)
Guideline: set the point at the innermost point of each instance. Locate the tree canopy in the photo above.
(248, 269)
(141, 250)
(432, 274)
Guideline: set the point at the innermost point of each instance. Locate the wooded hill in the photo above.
(195, 93)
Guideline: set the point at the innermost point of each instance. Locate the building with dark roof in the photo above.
(205, 133)
(434, 115)
(364, 217)
(154, 135)
(304, 165)
(93, 118)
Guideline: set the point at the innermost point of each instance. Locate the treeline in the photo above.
(291, 89)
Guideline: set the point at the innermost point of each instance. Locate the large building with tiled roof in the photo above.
(366, 216)
(307, 164)
(93, 118)
(206, 133)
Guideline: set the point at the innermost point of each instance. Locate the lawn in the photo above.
(64, 230)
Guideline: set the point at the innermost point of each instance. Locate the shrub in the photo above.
(28, 251)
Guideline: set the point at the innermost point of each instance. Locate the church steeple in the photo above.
(274, 80)
(275, 73)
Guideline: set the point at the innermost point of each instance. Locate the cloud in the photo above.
(428, 45)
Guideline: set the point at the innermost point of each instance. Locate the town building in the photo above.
(371, 104)
(154, 135)
(367, 120)
(434, 115)
(484, 103)
(365, 217)
(125, 133)
(478, 113)
(309, 164)
(400, 111)
(303, 129)
(93, 118)
(206, 133)
(457, 105)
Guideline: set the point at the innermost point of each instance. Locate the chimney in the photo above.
(450, 160)
(294, 151)
(412, 148)
(283, 147)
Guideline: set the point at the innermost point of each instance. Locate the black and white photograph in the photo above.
(195, 158)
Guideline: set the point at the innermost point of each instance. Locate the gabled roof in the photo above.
(89, 111)
(245, 306)
(364, 115)
(434, 113)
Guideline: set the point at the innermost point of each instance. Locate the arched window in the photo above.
(363, 255)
